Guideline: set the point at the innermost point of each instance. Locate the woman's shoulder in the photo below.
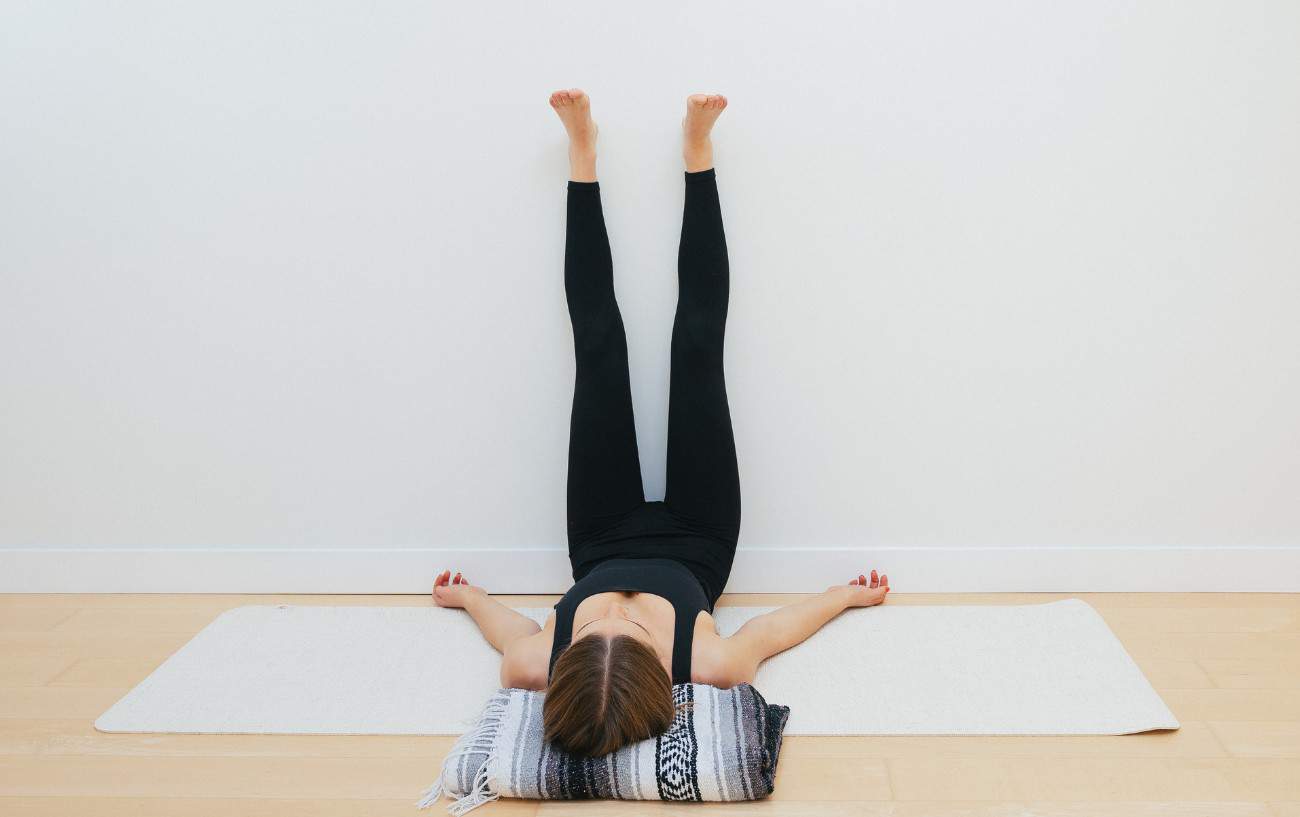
(526, 661)
(718, 661)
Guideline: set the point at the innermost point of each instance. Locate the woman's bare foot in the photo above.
(702, 111)
(574, 107)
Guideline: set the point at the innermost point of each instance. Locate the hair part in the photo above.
(606, 692)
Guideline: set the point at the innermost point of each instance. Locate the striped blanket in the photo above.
(722, 746)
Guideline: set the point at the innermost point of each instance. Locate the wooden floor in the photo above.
(1227, 664)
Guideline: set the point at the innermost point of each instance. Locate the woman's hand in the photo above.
(449, 591)
(867, 594)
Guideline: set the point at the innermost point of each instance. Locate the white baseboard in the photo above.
(756, 570)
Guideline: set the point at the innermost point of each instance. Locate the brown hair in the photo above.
(606, 692)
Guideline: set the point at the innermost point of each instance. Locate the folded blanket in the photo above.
(722, 746)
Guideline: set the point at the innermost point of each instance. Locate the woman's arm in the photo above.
(764, 636)
(499, 623)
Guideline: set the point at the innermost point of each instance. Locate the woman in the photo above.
(638, 618)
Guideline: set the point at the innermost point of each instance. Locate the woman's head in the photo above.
(606, 691)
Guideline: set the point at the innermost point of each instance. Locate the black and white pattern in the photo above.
(723, 745)
(677, 751)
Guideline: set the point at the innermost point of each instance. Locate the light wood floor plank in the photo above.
(247, 807)
(1277, 739)
(971, 808)
(34, 670)
(94, 645)
(1165, 673)
(295, 778)
(32, 619)
(1149, 620)
(57, 702)
(1234, 704)
(230, 807)
(106, 672)
(832, 778)
(142, 621)
(1273, 672)
(1271, 779)
(1099, 779)
(1197, 646)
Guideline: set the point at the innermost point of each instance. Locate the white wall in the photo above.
(1004, 274)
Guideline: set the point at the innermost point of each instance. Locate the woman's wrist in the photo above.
(842, 594)
(475, 602)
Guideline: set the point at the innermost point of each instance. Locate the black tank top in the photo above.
(662, 577)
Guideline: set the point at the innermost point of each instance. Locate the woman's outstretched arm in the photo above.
(499, 623)
(764, 636)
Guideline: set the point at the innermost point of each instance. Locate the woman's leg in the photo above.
(703, 478)
(604, 481)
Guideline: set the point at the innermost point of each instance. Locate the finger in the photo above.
(884, 581)
(875, 579)
(862, 580)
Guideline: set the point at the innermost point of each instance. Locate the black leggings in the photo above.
(698, 521)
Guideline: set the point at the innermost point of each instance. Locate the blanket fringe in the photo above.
(479, 740)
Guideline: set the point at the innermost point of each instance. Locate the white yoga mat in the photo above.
(1042, 669)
